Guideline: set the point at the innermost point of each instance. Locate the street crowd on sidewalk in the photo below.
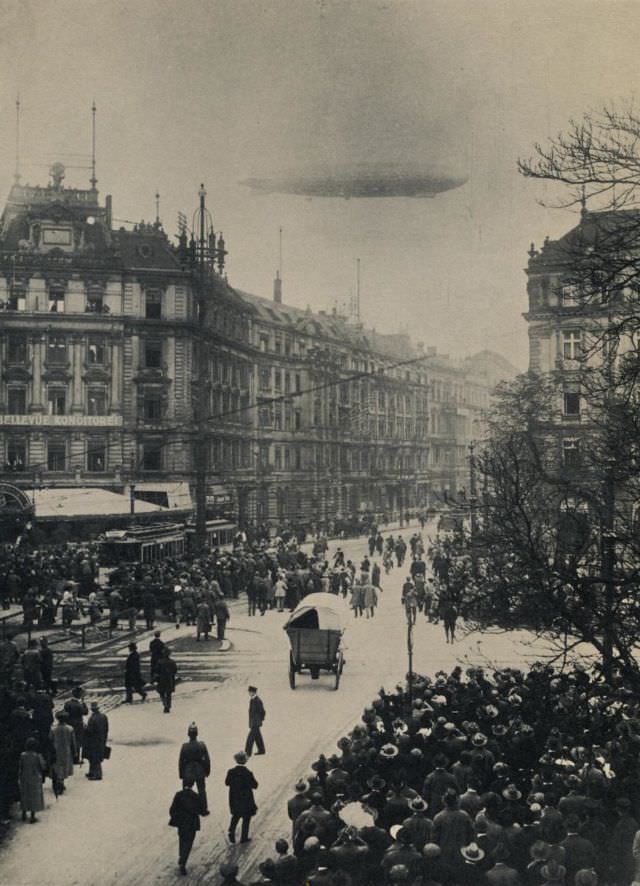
(508, 778)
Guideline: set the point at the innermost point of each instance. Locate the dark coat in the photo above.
(194, 760)
(256, 712)
(166, 670)
(241, 784)
(185, 811)
(132, 672)
(95, 737)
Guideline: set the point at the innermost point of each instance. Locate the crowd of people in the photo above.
(505, 779)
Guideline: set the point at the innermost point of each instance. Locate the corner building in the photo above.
(309, 415)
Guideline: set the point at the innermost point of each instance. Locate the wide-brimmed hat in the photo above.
(472, 852)
(399, 726)
(302, 786)
(376, 783)
(511, 792)
(418, 805)
(499, 730)
(539, 851)
(479, 740)
(388, 750)
(553, 871)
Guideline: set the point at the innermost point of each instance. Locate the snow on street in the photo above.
(117, 830)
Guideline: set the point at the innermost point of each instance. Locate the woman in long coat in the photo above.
(64, 744)
(370, 600)
(31, 771)
(241, 783)
(357, 597)
(203, 620)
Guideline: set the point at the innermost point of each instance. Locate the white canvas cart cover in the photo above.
(331, 612)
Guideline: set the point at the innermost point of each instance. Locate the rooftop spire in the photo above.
(16, 175)
(94, 180)
(157, 209)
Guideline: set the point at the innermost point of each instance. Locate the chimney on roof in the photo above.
(277, 289)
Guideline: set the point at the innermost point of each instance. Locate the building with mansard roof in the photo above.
(309, 414)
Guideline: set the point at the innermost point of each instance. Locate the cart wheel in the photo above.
(292, 673)
(338, 670)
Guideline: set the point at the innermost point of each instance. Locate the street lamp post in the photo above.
(410, 655)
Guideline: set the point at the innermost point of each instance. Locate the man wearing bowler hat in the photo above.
(256, 719)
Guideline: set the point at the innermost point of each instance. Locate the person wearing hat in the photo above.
(156, 648)
(76, 711)
(470, 872)
(401, 852)
(229, 873)
(95, 741)
(621, 839)
(133, 675)
(64, 746)
(502, 874)
(184, 814)
(417, 824)
(286, 865)
(241, 783)
(166, 671)
(323, 820)
(31, 769)
(437, 783)
(553, 873)
(579, 852)
(298, 804)
(539, 852)
(452, 828)
(194, 764)
(257, 714)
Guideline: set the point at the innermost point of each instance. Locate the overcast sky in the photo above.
(216, 91)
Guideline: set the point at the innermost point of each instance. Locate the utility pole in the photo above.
(473, 502)
(202, 389)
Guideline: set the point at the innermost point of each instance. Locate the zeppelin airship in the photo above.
(360, 180)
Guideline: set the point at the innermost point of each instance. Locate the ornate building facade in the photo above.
(308, 416)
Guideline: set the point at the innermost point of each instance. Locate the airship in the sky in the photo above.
(361, 180)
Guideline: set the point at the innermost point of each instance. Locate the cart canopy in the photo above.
(325, 612)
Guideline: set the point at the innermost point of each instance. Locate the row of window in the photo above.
(95, 456)
(57, 301)
(57, 400)
(56, 350)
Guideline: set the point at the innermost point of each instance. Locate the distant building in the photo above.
(309, 415)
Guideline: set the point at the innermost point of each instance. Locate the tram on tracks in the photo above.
(159, 541)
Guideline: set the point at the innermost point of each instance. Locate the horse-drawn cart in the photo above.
(315, 630)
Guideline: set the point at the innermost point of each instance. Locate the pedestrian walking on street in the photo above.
(133, 675)
(184, 814)
(222, 616)
(46, 664)
(149, 603)
(166, 670)
(203, 620)
(241, 783)
(64, 745)
(95, 741)
(31, 769)
(194, 764)
(257, 714)
(449, 617)
(156, 648)
(76, 710)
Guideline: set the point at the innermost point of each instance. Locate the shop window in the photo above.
(16, 456)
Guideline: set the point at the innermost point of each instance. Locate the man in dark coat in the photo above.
(133, 675)
(166, 670)
(195, 764)
(46, 664)
(149, 603)
(185, 812)
(241, 783)
(156, 648)
(256, 718)
(222, 616)
(95, 741)
(76, 710)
